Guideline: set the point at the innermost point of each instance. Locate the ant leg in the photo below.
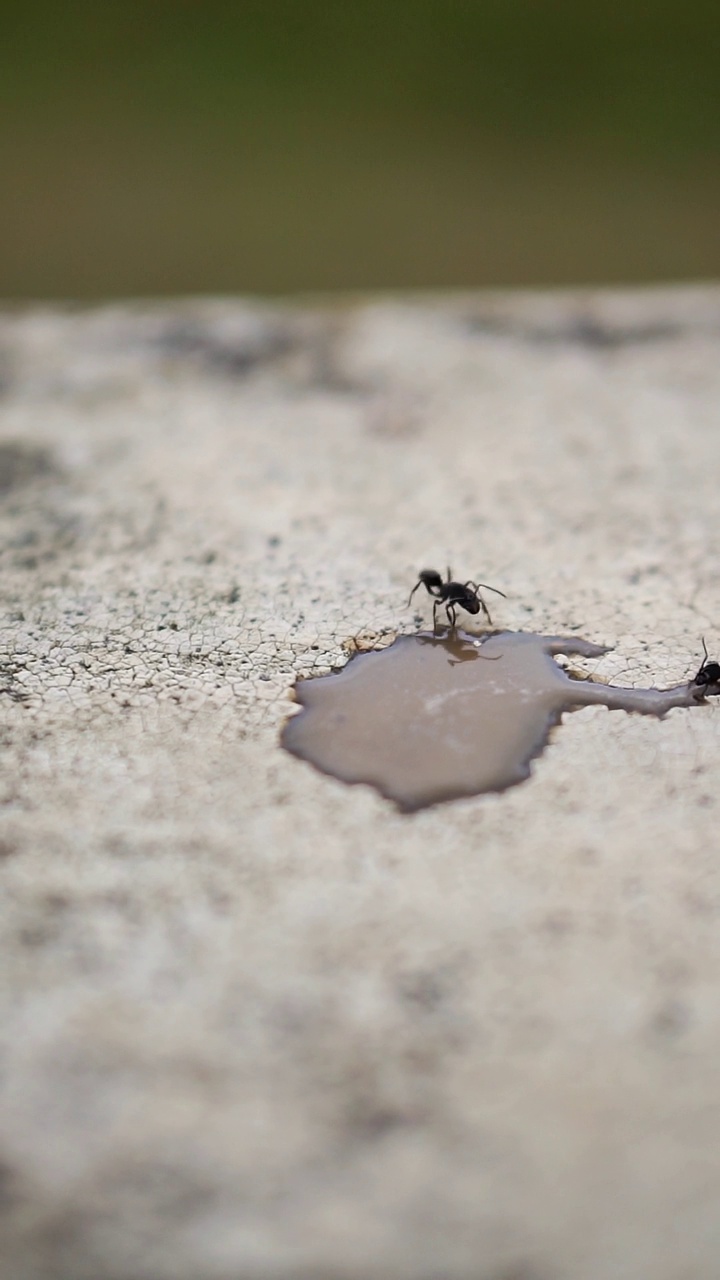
(484, 607)
(449, 574)
(452, 615)
(435, 609)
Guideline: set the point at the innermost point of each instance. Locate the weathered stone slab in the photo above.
(257, 1023)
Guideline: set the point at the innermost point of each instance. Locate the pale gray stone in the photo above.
(256, 1023)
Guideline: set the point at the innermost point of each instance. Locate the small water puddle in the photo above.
(434, 718)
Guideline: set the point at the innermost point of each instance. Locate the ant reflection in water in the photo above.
(457, 648)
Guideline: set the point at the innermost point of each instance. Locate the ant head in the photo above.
(709, 673)
(471, 604)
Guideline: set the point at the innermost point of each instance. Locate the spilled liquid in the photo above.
(436, 718)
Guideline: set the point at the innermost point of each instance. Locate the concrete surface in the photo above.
(256, 1023)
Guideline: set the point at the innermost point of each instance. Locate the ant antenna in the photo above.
(486, 587)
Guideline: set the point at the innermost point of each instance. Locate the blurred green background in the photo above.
(164, 146)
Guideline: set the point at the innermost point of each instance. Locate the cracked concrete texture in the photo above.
(258, 1024)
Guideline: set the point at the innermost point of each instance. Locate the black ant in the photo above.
(454, 595)
(709, 674)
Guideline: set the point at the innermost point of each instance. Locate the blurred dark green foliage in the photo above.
(173, 145)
